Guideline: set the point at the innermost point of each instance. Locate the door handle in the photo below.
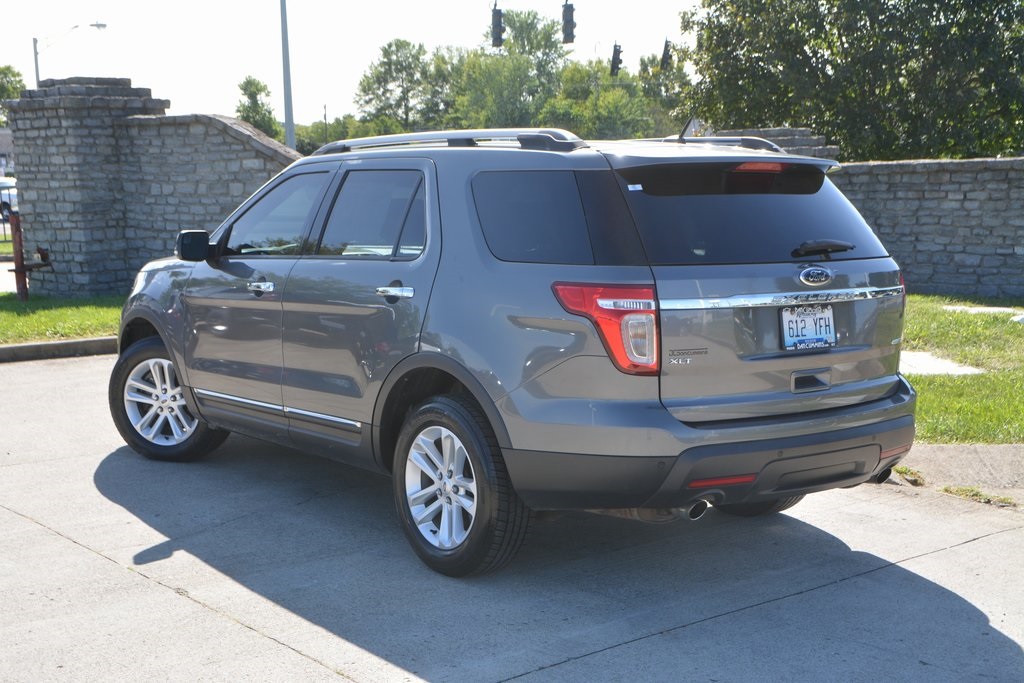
(396, 292)
(260, 287)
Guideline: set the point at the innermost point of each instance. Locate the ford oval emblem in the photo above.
(815, 276)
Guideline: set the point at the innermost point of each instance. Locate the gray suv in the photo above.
(517, 320)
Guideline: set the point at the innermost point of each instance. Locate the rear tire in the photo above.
(766, 507)
(452, 491)
(148, 406)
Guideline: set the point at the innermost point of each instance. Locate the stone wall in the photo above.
(106, 180)
(187, 172)
(801, 141)
(955, 227)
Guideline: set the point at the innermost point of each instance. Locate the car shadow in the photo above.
(725, 598)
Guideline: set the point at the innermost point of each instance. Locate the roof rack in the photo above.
(549, 139)
(748, 142)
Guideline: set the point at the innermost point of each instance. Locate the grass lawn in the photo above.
(44, 319)
(985, 408)
(6, 246)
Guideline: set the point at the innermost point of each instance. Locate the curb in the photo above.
(70, 348)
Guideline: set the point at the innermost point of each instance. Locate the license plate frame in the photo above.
(810, 326)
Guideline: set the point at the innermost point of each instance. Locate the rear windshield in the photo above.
(734, 213)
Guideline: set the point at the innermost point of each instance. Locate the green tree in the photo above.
(444, 77)
(595, 105)
(11, 85)
(884, 79)
(540, 41)
(668, 93)
(495, 92)
(310, 138)
(254, 109)
(393, 87)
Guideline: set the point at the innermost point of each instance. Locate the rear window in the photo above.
(730, 213)
(564, 217)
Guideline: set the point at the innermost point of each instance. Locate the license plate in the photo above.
(808, 327)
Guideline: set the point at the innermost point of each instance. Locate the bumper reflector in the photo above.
(892, 452)
(722, 481)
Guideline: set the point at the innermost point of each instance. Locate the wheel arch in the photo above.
(138, 326)
(140, 323)
(415, 379)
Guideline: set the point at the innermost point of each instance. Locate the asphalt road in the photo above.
(261, 563)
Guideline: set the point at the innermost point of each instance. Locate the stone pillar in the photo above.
(69, 181)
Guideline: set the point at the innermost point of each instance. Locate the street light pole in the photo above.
(35, 45)
(35, 55)
(289, 122)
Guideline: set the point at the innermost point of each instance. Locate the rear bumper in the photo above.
(764, 469)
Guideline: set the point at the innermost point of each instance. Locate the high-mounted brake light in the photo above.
(626, 317)
(760, 167)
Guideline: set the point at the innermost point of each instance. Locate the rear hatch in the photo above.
(775, 296)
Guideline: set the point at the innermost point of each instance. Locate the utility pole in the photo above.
(289, 121)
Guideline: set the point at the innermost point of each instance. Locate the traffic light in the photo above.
(616, 59)
(497, 27)
(666, 56)
(568, 25)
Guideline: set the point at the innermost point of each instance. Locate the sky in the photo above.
(196, 52)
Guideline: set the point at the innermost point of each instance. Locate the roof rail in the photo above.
(550, 139)
(748, 142)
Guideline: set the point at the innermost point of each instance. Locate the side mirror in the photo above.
(192, 245)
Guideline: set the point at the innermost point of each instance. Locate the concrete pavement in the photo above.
(262, 563)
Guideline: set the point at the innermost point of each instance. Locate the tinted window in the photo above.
(276, 223)
(613, 235)
(715, 214)
(377, 214)
(533, 216)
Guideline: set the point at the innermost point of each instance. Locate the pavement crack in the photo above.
(752, 606)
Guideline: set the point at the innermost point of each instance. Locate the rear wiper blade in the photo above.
(820, 247)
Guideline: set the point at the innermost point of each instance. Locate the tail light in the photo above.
(626, 317)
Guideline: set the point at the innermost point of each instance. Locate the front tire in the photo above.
(452, 492)
(148, 406)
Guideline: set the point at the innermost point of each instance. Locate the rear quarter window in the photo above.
(716, 214)
(563, 217)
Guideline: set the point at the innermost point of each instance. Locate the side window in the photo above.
(533, 216)
(377, 214)
(276, 223)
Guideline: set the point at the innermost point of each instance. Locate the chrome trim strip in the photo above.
(785, 299)
(326, 418)
(236, 399)
(281, 409)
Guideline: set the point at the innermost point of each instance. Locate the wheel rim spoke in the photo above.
(428, 513)
(154, 403)
(418, 459)
(440, 487)
(424, 497)
(425, 447)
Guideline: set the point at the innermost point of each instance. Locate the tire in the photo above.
(767, 507)
(149, 409)
(453, 495)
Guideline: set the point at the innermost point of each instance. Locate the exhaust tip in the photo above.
(697, 510)
(882, 476)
